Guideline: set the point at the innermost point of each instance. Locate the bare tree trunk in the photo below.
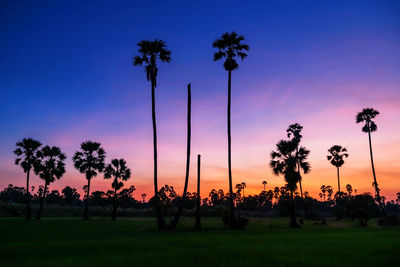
(182, 201)
(293, 222)
(338, 179)
(86, 212)
(28, 198)
(160, 219)
(114, 212)
(232, 206)
(198, 215)
(39, 213)
(378, 196)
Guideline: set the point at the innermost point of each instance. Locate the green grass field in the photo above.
(102, 242)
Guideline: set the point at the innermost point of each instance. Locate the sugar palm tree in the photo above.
(230, 47)
(118, 171)
(26, 153)
(149, 53)
(294, 131)
(243, 187)
(366, 116)
(284, 162)
(50, 167)
(337, 153)
(264, 183)
(89, 161)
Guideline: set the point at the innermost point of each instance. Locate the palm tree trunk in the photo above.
(86, 212)
(39, 213)
(28, 198)
(378, 196)
(338, 178)
(114, 212)
(293, 222)
(232, 206)
(160, 219)
(198, 218)
(298, 168)
(189, 125)
(264, 188)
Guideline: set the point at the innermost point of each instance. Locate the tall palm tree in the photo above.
(188, 142)
(336, 158)
(366, 116)
(149, 53)
(89, 161)
(264, 183)
(294, 131)
(230, 47)
(50, 167)
(26, 153)
(198, 198)
(119, 172)
(284, 161)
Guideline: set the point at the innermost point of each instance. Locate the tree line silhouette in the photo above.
(289, 159)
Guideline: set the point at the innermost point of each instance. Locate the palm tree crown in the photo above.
(336, 155)
(366, 115)
(295, 131)
(149, 53)
(230, 46)
(51, 165)
(26, 152)
(90, 160)
(119, 171)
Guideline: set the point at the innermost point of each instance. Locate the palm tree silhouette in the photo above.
(264, 184)
(149, 53)
(284, 161)
(349, 189)
(366, 116)
(198, 198)
(118, 171)
(230, 46)
(336, 158)
(294, 131)
(89, 161)
(189, 125)
(50, 167)
(26, 153)
(144, 197)
(243, 187)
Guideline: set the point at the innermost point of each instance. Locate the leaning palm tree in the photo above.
(366, 116)
(284, 161)
(89, 161)
(230, 47)
(26, 153)
(149, 53)
(119, 172)
(50, 167)
(336, 159)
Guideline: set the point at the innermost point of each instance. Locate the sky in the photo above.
(66, 76)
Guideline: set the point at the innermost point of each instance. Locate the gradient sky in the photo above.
(66, 77)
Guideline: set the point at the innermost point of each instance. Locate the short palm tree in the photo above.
(26, 153)
(50, 167)
(366, 116)
(118, 171)
(89, 161)
(264, 183)
(149, 53)
(284, 161)
(337, 153)
(230, 47)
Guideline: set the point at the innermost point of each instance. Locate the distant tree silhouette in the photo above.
(189, 126)
(349, 189)
(284, 162)
(198, 198)
(89, 161)
(70, 195)
(239, 189)
(50, 167)
(118, 171)
(26, 153)
(398, 198)
(230, 47)
(366, 116)
(264, 184)
(323, 192)
(336, 159)
(243, 187)
(144, 197)
(149, 53)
